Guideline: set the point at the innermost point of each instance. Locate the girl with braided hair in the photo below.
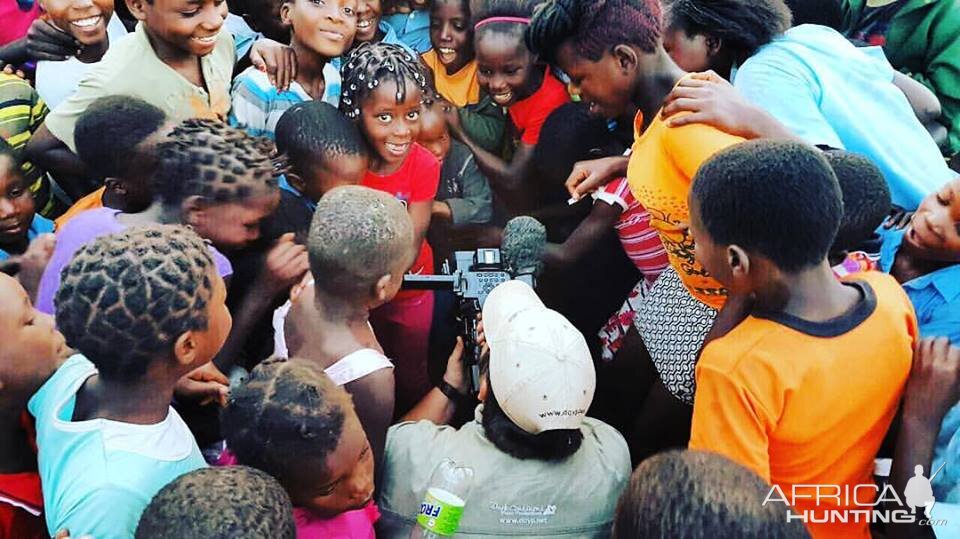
(516, 80)
(144, 309)
(383, 90)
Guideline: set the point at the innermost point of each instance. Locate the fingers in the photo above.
(687, 119)
(704, 76)
(679, 105)
(577, 176)
(457, 353)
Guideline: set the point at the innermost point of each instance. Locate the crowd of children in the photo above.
(746, 313)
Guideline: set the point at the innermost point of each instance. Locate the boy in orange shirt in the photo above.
(784, 392)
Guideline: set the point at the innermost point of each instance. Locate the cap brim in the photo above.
(503, 303)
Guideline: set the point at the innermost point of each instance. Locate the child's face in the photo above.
(368, 19)
(233, 225)
(934, 230)
(16, 205)
(85, 20)
(264, 17)
(505, 68)
(32, 346)
(434, 135)
(391, 128)
(451, 34)
(345, 480)
(326, 27)
(335, 172)
(606, 85)
(189, 26)
(691, 53)
(210, 341)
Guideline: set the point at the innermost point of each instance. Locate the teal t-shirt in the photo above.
(99, 475)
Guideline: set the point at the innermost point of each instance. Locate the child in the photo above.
(115, 139)
(463, 196)
(25, 334)
(21, 224)
(328, 322)
(92, 26)
(699, 494)
(319, 33)
(143, 308)
(866, 203)
(383, 90)
(23, 112)
(209, 176)
(779, 393)
(453, 65)
(324, 150)
(288, 408)
(236, 502)
(411, 21)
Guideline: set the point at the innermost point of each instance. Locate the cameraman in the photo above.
(541, 466)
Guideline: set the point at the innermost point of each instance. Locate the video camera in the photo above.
(476, 274)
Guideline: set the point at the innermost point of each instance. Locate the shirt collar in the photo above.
(946, 281)
(285, 185)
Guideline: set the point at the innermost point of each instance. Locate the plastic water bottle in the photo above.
(444, 501)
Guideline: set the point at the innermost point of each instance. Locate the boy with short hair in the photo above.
(782, 392)
(319, 32)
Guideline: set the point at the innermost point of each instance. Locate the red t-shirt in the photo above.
(21, 500)
(529, 115)
(415, 181)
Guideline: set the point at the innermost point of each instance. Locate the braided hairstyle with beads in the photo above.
(594, 26)
(210, 159)
(285, 408)
(369, 65)
(126, 298)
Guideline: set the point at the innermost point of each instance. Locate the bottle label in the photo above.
(440, 512)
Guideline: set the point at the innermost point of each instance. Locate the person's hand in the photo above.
(28, 267)
(47, 42)
(711, 100)
(934, 384)
(481, 336)
(10, 69)
(588, 176)
(455, 375)
(452, 115)
(441, 210)
(285, 265)
(277, 60)
(897, 219)
(204, 385)
(65, 534)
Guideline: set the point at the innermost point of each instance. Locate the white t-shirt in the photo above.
(56, 81)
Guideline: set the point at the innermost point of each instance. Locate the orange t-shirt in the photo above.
(661, 170)
(809, 403)
(90, 202)
(462, 88)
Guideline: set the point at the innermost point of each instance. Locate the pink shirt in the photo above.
(356, 524)
(640, 241)
(16, 21)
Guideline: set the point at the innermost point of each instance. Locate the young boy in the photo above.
(144, 308)
(178, 59)
(114, 139)
(360, 246)
(319, 32)
(234, 502)
(25, 334)
(782, 392)
(20, 221)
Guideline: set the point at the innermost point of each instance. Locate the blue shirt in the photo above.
(257, 105)
(389, 36)
(99, 475)
(285, 185)
(412, 28)
(39, 225)
(936, 300)
(828, 92)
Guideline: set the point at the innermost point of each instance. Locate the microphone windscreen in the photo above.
(524, 240)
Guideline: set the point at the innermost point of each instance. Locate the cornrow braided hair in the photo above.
(366, 68)
(594, 26)
(285, 408)
(210, 159)
(127, 297)
(313, 132)
(221, 502)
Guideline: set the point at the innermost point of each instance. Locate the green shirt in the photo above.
(131, 67)
(923, 40)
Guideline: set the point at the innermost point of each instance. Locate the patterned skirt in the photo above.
(673, 325)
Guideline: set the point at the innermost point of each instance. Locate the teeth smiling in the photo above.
(444, 50)
(88, 22)
(207, 40)
(363, 25)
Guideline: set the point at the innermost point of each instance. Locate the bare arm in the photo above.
(600, 221)
(51, 154)
(923, 101)
(420, 215)
(436, 407)
(373, 399)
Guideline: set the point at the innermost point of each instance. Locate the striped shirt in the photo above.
(258, 105)
(21, 114)
(640, 241)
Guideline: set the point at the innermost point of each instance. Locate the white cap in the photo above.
(540, 367)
